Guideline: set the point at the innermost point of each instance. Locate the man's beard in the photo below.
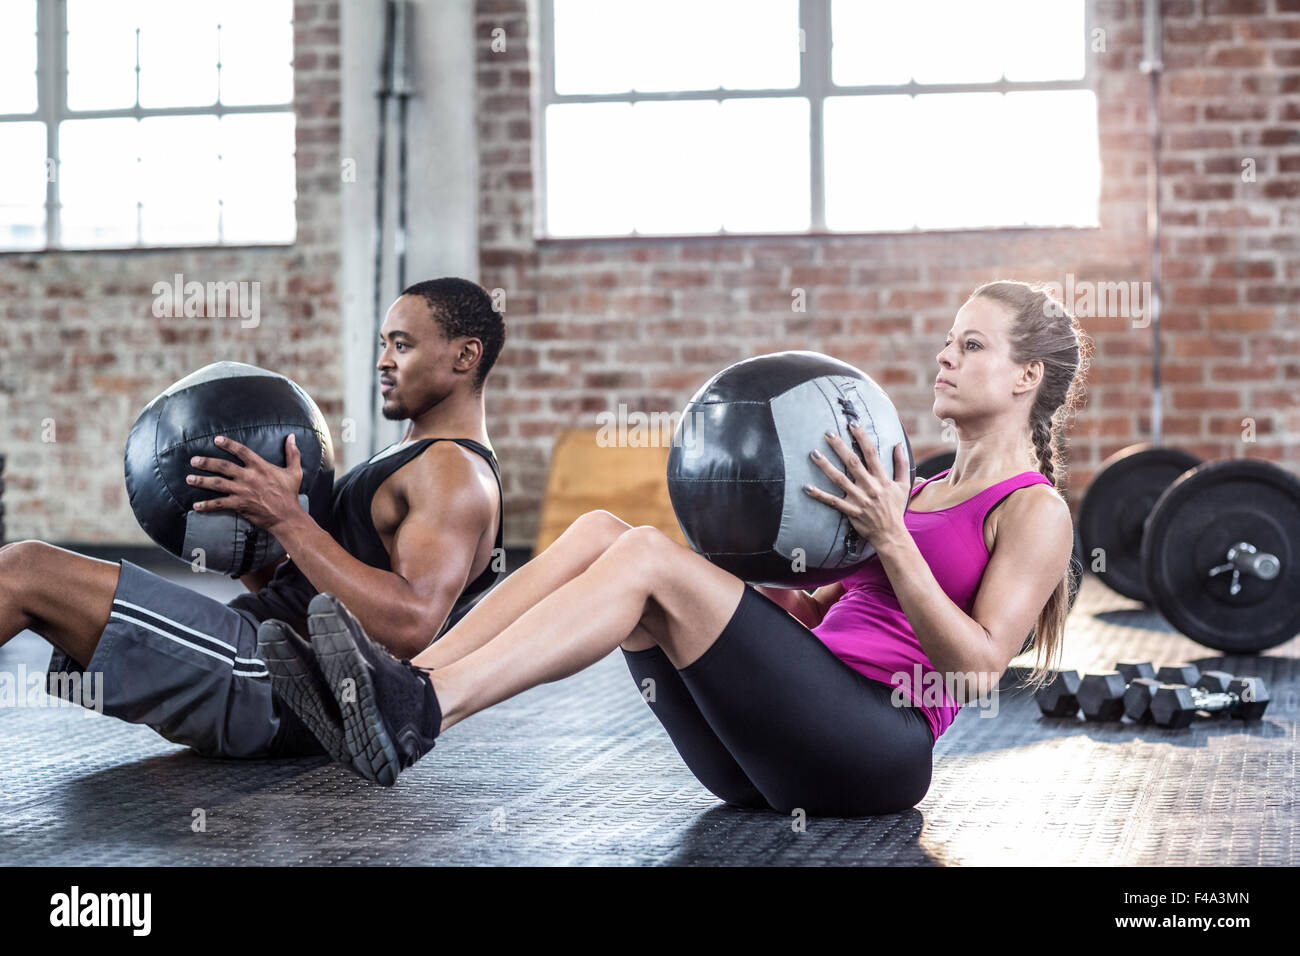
(395, 413)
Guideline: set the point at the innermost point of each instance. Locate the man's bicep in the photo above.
(434, 553)
(435, 544)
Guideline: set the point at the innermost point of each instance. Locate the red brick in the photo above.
(729, 252)
(1285, 136)
(1242, 372)
(1110, 374)
(1112, 398)
(674, 329)
(1181, 373)
(1172, 425)
(1200, 139)
(1241, 111)
(1231, 425)
(1198, 33)
(680, 279)
(770, 301)
(918, 299)
(1243, 269)
(1175, 320)
(846, 301)
(1241, 320)
(814, 277)
(1235, 8)
(1108, 426)
(1209, 294)
(884, 325)
(803, 324)
(1238, 57)
(1199, 84)
(1279, 397)
(1187, 399)
(1234, 218)
(1272, 294)
(1281, 188)
(1194, 346)
(1229, 165)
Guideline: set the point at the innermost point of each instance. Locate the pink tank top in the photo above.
(867, 629)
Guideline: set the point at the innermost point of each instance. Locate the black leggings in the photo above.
(769, 718)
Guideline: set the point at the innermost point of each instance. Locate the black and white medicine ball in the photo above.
(740, 459)
(250, 405)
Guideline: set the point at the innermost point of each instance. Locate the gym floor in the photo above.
(580, 773)
(649, 193)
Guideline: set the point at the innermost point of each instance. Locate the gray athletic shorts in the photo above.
(187, 666)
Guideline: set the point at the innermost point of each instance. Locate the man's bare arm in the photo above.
(256, 580)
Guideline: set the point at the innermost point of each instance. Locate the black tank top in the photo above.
(288, 593)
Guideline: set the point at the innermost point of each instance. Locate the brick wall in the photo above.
(644, 322)
(81, 350)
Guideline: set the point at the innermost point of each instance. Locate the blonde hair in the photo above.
(1042, 329)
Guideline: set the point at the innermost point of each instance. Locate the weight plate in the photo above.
(1116, 505)
(931, 466)
(1192, 526)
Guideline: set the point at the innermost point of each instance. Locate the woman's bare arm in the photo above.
(1032, 546)
(807, 609)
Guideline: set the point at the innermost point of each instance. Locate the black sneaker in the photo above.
(297, 680)
(390, 712)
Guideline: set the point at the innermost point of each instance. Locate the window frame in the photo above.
(52, 110)
(815, 85)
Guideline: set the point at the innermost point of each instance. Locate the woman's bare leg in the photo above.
(567, 557)
(643, 577)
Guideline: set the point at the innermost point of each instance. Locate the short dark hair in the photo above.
(464, 308)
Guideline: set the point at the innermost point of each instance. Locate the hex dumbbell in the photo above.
(1059, 696)
(1101, 696)
(1142, 690)
(1215, 692)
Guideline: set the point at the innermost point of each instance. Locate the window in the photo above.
(136, 123)
(674, 117)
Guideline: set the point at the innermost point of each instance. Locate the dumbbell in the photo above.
(1065, 692)
(1141, 691)
(1059, 696)
(1174, 705)
(1101, 696)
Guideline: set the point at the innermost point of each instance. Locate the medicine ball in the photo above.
(250, 405)
(740, 458)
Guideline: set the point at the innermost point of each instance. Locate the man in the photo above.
(413, 537)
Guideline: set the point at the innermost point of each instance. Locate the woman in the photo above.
(774, 698)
